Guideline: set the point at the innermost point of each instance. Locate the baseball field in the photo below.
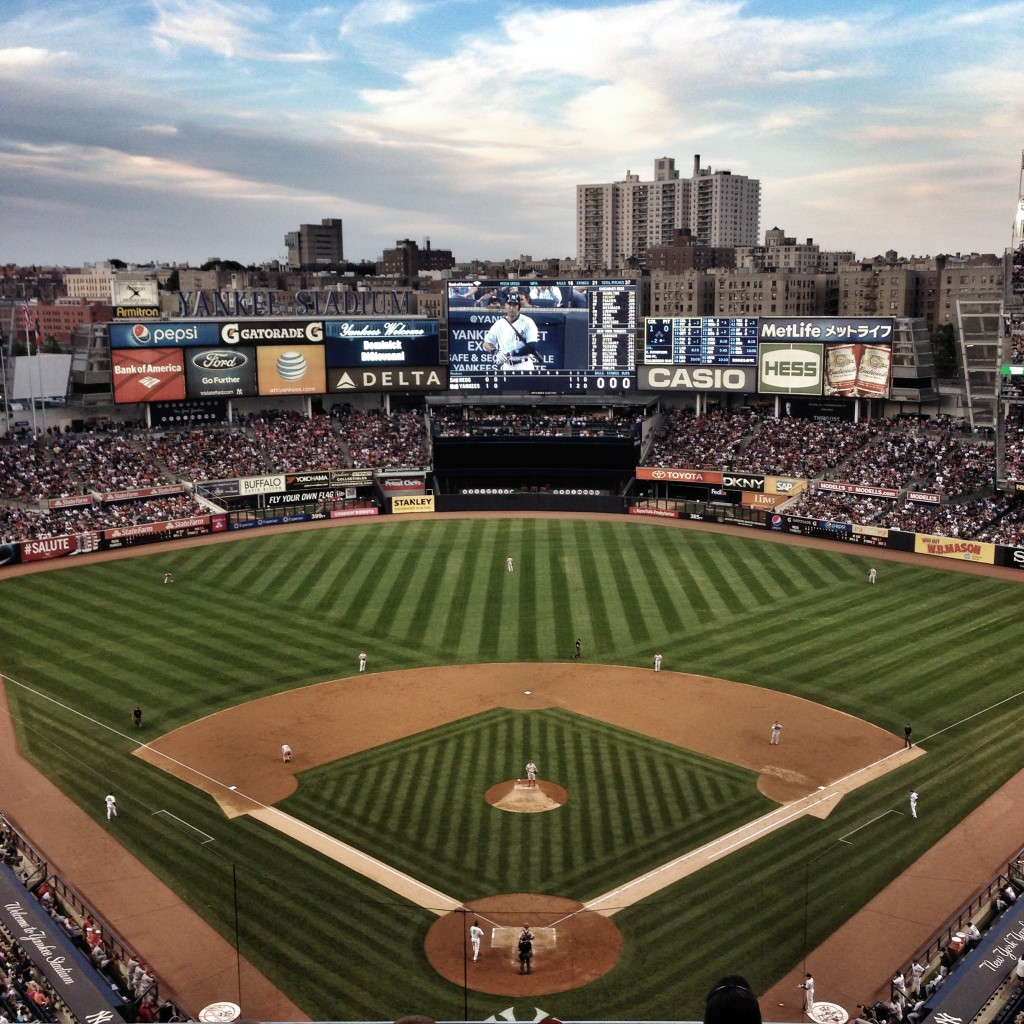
(400, 773)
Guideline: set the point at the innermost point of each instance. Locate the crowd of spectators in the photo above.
(27, 996)
(379, 440)
(705, 442)
(896, 453)
(936, 455)
(18, 522)
(530, 423)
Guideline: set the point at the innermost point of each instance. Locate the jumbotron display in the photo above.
(701, 341)
(542, 337)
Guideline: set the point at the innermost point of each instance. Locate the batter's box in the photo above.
(544, 939)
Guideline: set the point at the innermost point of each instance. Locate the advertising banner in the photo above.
(737, 379)
(87, 996)
(402, 503)
(163, 335)
(59, 547)
(148, 533)
(679, 476)
(291, 370)
(861, 489)
(152, 375)
(857, 371)
(406, 378)
(790, 368)
(657, 513)
(357, 343)
(951, 547)
(823, 329)
(272, 332)
(211, 372)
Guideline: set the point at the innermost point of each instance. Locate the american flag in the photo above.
(31, 329)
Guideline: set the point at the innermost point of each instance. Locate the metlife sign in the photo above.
(790, 368)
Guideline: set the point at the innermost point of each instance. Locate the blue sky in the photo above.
(185, 129)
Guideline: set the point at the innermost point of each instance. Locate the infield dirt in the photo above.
(852, 966)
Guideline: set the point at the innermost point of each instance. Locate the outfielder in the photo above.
(111, 802)
(362, 661)
(513, 340)
(511, 565)
(476, 933)
(872, 575)
(913, 803)
(657, 661)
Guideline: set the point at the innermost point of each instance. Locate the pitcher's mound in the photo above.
(572, 946)
(520, 798)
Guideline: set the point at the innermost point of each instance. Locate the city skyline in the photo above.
(179, 130)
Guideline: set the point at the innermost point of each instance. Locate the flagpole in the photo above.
(28, 350)
(7, 394)
(39, 372)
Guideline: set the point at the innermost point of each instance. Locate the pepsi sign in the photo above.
(163, 335)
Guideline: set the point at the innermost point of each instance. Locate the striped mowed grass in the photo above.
(256, 615)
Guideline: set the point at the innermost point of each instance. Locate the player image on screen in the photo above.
(512, 340)
(542, 337)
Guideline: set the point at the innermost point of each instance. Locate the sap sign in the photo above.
(789, 368)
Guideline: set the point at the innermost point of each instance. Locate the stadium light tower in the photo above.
(1018, 220)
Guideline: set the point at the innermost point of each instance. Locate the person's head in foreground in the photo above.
(731, 1001)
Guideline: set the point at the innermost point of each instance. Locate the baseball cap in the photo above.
(514, 298)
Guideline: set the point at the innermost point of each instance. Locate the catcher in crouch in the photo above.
(513, 340)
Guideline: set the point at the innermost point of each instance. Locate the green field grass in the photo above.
(255, 615)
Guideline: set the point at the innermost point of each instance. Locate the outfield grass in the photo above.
(255, 615)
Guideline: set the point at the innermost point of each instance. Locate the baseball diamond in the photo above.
(407, 763)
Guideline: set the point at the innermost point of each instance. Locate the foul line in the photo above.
(397, 881)
(187, 826)
(668, 874)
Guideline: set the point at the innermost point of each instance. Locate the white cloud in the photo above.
(17, 59)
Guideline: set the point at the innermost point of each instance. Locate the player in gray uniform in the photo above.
(513, 340)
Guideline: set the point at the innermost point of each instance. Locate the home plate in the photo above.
(502, 937)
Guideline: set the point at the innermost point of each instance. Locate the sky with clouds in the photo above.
(178, 130)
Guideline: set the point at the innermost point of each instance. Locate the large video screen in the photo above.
(542, 337)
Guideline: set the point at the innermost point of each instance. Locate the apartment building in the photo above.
(617, 223)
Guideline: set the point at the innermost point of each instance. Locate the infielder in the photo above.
(776, 732)
(808, 987)
(476, 933)
(531, 772)
(362, 661)
(111, 802)
(513, 340)
(657, 661)
(286, 753)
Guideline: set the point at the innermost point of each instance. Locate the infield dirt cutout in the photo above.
(235, 756)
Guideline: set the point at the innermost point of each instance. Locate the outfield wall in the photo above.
(957, 549)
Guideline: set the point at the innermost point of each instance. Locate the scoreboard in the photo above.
(612, 327)
(586, 336)
(701, 341)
